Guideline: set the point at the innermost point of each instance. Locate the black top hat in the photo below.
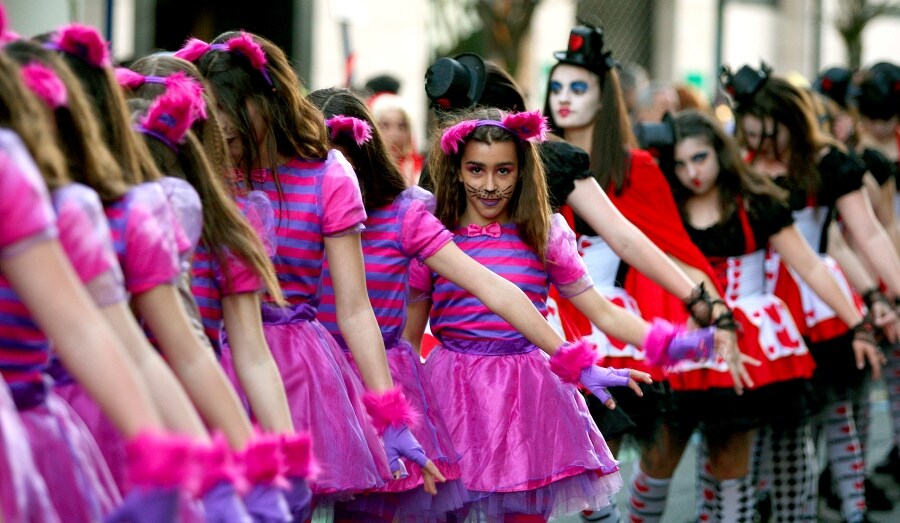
(745, 83)
(383, 83)
(585, 49)
(879, 93)
(835, 83)
(456, 83)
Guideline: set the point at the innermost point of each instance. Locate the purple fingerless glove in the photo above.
(147, 505)
(667, 344)
(299, 499)
(267, 504)
(222, 504)
(575, 362)
(597, 379)
(392, 416)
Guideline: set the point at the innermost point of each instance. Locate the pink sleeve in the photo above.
(236, 276)
(342, 205)
(85, 237)
(186, 212)
(564, 265)
(24, 202)
(151, 252)
(421, 233)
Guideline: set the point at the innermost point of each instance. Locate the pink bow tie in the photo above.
(492, 229)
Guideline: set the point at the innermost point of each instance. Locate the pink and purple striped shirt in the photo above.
(458, 314)
(396, 235)
(320, 198)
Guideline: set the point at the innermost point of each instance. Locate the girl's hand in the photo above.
(737, 361)
(597, 379)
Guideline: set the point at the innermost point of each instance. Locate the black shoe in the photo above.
(876, 498)
(763, 508)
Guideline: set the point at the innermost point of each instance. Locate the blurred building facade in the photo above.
(677, 40)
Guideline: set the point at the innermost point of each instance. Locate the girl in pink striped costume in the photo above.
(499, 396)
(278, 141)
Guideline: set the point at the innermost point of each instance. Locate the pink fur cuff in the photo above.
(160, 460)
(217, 464)
(263, 461)
(656, 343)
(389, 408)
(572, 358)
(298, 455)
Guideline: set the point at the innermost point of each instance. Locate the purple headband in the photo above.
(132, 80)
(194, 48)
(359, 130)
(527, 126)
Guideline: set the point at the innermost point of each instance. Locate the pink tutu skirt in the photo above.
(325, 398)
(527, 441)
(405, 499)
(23, 494)
(80, 485)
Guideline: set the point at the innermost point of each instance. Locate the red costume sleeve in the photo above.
(647, 202)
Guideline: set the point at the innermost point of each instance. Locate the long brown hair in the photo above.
(88, 159)
(99, 83)
(529, 208)
(791, 107)
(380, 180)
(612, 138)
(224, 228)
(21, 112)
(735, 180)
(292, 125)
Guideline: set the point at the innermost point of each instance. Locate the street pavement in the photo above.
(682, 494)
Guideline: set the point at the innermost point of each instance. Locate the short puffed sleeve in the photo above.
(841, 173)
(151, 253)
(85, 237)
(563, 164)
(237, 276)
(564, 265)
(187, 211)
(768, 216)
(421, 233)
(342, 205)
(881, 168)
(24, 202)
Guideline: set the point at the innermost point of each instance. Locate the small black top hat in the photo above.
(456, 83)
(745, 83)
(585, 49)
(835, 83)
(878, 95)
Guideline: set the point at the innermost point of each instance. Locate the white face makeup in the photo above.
(394, 129)
(574, 96)
(489, 173)
(696, 165)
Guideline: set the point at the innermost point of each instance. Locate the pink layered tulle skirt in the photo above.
(23, 494)
(527, 441)
(325, 398)
(405, 499)
(66, 456)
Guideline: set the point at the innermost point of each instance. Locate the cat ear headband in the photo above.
(172, 114)
(243, 43)
(43, 82)
(84, 42)
(527, 126)
(359, 130)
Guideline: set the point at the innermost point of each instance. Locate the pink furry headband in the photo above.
(172, 114)
(360, 130)
(44, 83)
(6, 34)
(132, 80)
(84, 42)
(527, 126)
(194, 48)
